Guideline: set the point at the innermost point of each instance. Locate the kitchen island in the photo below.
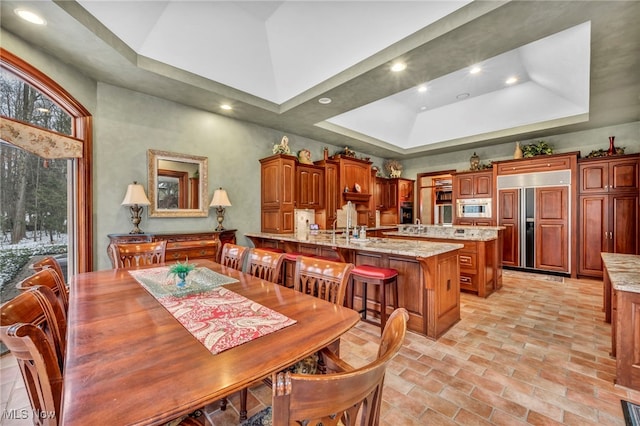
(621, 304)
(480, 258)
(428, 272)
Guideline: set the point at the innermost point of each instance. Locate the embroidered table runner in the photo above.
(219, 318)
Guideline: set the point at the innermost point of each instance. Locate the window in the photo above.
(41, 117)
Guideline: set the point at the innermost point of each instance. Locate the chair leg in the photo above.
(383, 306)
(223, 404)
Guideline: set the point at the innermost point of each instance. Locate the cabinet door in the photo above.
(405, 189)
(552, 229)
(464, 186)
(624, 219)
(594, 177)
(392, 191)
(483, 185)
(509, 216)
(378, 193)
(594, 237)
(310, 188)
(270, 185)
(623, 175)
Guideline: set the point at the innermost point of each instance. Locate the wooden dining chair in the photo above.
(51, 263)
(233, 256)
(322, 278)
(131, 255)
(265, 264)
(49, 278)
(345, 396)
(33, 328)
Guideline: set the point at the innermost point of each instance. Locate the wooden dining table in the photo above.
(130, 362)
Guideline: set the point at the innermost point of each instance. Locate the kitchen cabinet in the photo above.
(609, 210)
(310, 186)
(552, 229)
(351, 172)
(473, 184)
(277, 193)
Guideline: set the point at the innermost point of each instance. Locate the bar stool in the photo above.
(375, 275)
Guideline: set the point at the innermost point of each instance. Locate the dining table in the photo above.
(130, 361)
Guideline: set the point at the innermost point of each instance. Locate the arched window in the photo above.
(67, 136)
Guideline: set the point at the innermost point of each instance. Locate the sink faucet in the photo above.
(419, 225)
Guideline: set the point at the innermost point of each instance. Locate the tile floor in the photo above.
(536, 352)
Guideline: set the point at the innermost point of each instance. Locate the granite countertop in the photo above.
(624, 271)
(469, 233)
(411, 248)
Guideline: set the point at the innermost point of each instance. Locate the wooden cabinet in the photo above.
(473, 184)
(391, 195)
(552, 228)
(405, 190)
(277, 193)
(509, 217)
(609, 210)
(352, 171)
(181, 245)
(310, 186)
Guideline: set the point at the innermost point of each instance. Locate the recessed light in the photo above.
(511, 80)
(422, 89)
(475, 69)
(226, 107)
(423, 108)
(324, 101)
(29, 16)
(398, 66)
(462, 96)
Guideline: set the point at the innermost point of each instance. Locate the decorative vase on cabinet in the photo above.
(518, 152)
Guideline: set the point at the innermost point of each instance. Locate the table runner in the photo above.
(219, 318)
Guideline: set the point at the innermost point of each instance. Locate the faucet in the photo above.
(419, 225)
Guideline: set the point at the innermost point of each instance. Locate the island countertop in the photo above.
(401, 247)
(455, 232)
(623, 271)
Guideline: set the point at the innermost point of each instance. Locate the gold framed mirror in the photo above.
(178, 184)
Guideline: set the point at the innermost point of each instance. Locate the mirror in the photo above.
(177, 185)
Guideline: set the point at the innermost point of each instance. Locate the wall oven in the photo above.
(474, 208)
(406, 213)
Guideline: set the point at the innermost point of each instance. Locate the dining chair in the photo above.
(265, 264)
(129, 255)
(327, 280)
(52, 263)
(48, 277)
(33, 328)
(345, 396)
(233, 256)
(322, 278)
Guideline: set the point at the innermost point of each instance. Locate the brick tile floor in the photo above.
(535, 352)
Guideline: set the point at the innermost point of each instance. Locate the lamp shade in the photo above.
(135, 195)
(220, 198)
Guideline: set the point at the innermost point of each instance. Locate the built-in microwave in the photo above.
(474, 207)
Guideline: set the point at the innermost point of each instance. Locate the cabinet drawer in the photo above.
(468, 262)
(468, 282)
(535, 165)
(191, 250)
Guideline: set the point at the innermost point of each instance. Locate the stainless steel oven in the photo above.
(474, 207)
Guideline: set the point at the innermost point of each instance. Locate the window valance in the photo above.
(39, 141)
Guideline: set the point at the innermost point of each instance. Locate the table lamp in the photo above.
(220, 201)
(135, 198)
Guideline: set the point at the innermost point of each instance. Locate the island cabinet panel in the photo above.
(627, 339)
(442, 299)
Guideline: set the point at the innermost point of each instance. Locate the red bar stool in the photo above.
(375, 275)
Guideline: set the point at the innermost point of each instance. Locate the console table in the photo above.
(181, 245)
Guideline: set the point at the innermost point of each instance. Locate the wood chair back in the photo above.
(339, 398)
(131, 255)
(52, 263)
(48, 277)
(233, 256)
(322, 278)
(265, 264)
(33, 328)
